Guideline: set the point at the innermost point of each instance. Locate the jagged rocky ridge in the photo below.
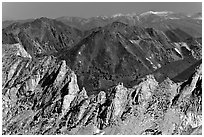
(41, 96)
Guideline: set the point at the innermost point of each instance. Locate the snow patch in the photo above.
(182, 44)
(120, 14)
(159, 13)
(117, 15)
(198, 18)
(155, 67)
(173, 18)
(177, 51)
(135, 41)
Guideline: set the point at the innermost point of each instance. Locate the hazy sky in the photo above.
(23, 10)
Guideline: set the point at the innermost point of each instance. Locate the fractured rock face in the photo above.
(72, 91)
(42, 97)
(120, 99)
(147, 108)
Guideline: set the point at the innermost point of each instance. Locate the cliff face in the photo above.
(41, 96)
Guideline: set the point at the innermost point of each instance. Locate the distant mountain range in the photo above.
(132, 19)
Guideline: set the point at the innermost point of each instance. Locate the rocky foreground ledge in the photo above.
(41, 96)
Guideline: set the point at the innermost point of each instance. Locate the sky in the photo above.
(27, 10)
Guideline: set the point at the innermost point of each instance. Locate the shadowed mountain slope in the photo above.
(121, 53)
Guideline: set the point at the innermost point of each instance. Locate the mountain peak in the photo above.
(159, 13)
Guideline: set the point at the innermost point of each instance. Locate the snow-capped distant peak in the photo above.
(198, 18)
(131, 14)
(102, 16)
(159, 13)
(120, 14)
(117, 15)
